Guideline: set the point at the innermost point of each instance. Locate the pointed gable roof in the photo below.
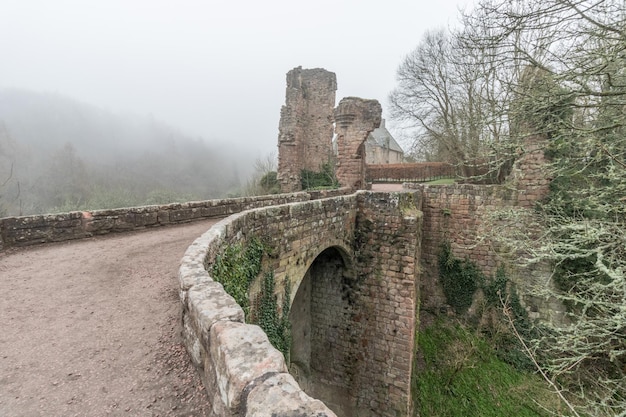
(382, 138)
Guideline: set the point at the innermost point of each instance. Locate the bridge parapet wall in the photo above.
(48, 228)
(380, 232)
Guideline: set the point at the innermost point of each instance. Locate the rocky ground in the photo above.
(92, 328)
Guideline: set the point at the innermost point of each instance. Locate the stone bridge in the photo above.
(361, 267)
(351, 262)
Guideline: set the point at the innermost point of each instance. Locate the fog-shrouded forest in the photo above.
(59, 155)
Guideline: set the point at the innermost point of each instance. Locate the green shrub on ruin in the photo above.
(459, 278)
(324, 178)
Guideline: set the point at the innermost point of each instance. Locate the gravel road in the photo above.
(91, 328)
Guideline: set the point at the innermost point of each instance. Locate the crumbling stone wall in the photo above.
(305, 130)
(355, 118)
(529, 175)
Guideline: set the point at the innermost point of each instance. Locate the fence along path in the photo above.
(91, 327)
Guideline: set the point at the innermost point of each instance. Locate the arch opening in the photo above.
(321, 318)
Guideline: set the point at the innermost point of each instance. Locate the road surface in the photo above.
(92, 328)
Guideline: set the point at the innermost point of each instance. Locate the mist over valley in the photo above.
(58, 154)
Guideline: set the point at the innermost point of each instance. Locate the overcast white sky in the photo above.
(213, 68)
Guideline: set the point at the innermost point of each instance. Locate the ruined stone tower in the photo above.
(306, 124)
(355, 118)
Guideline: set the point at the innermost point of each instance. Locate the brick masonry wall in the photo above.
(462, 215)
(333, 357)
(387, 249)
(455, 213)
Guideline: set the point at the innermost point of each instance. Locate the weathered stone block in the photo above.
(194, 345)
(280, 395)
(208, 303)
(241, 353)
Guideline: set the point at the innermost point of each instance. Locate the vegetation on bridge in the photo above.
(236, 268)
(322, 179)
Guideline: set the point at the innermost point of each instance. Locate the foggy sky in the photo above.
(213, 68)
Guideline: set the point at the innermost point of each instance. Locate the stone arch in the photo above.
(342, 250)
(321, 317)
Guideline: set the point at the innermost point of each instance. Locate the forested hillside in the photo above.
(57, 155)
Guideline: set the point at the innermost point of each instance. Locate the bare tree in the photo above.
(264, 180)
(451, 96)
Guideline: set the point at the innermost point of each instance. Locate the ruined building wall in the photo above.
(305, 130)
(355, 118)
(464, 216)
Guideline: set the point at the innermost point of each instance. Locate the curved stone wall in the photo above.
(243, 373)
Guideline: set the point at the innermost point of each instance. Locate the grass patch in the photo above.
(442, 181)
(463, 376)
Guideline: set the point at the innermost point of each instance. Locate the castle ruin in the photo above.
(308, 121)
(306, 124)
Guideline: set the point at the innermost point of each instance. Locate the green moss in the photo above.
(237, 267)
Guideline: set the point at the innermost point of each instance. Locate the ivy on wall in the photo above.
(461, 279)
(236, 268)
(275, 325)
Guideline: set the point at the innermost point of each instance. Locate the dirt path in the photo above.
(387, 187)
(91, 328)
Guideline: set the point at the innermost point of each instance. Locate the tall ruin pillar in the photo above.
(306, 124)
(355, 118)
